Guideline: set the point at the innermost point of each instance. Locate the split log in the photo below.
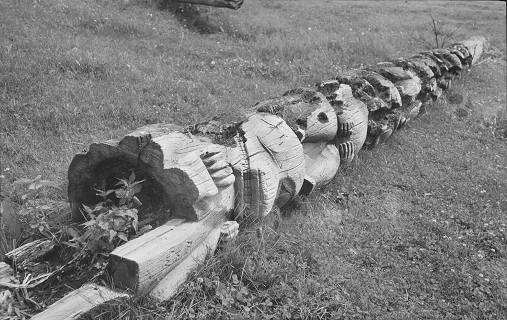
(231, 4)
(79, 302)
(140, 264)
(306, 111)
(31, 253)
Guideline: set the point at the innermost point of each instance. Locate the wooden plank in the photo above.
(168, 286)
(141, 263)
(79, 302)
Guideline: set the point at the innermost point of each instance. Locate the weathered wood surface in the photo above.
(79, 302)
(31, 253)
(363, 91)
(352, 117)
(140, 264)
(306, 111)
(231, 4)
(176, 161)
(168, 286)
(322, 161)
(476, 46)
(275, 163)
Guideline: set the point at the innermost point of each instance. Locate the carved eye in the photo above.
(322, 117)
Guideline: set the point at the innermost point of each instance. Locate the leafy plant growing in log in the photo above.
(110, 222)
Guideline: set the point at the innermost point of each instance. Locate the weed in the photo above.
(110, 223)
(439, 32)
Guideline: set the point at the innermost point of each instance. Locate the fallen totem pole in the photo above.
(202, 177)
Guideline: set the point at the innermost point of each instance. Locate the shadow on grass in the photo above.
(190, 17)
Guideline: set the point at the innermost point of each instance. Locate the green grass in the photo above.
(415, 229)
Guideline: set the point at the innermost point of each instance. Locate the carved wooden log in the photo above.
(169, 160)
(306, 111)
(196, 179)
(79, 302)
(231, 4)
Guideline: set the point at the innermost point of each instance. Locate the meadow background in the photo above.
(415, 229)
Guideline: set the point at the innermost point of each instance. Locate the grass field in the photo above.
(415, 229)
